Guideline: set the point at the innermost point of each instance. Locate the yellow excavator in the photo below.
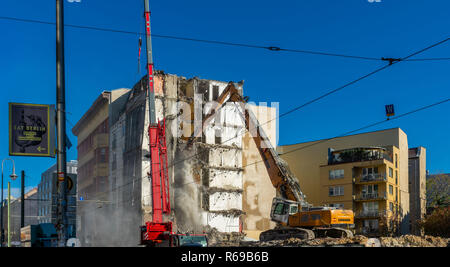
(293, 215)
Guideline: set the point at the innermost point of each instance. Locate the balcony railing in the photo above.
(371, 196)
(357, 155)
(375, 177)
(370, 214)
(369, 230)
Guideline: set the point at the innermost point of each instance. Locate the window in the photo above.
(336, 174)
(396, 160)
(305, 217)
(396, 177)
(336, 191)
(391, 172)
(280, 209)
(373, 170)
(102, 155)
(114, 162)
(218, 135)
(293, 209)
(391, 206)
(371, 225)
(370, 189)
(370, 206)
(337, 205)
(370, 173)
(215, 95)
(391, 190)
(113, 143)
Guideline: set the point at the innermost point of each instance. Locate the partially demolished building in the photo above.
(210, 186)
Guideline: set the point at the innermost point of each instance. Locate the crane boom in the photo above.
(157, 230)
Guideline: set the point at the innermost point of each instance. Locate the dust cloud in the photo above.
(187, 192)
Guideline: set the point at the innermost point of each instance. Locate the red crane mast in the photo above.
(157, 230)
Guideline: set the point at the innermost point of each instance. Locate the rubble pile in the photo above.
(414, 241)
(357, 241)
(218, 239)
(318, 242)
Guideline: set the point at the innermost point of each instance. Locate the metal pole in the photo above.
(2, 234)
(9, 214)
(22, 204)
(61, 122)
(152, 115)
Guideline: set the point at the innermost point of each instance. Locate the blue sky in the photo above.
(97, 61)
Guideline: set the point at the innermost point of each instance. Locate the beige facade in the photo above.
(417, 186)
(258, 189)
(310, 163)
(92, 131)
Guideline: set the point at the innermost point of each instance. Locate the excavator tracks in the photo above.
(304, 234)
(286, 233)
(334, 232)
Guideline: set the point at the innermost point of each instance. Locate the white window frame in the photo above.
(336, 174)
(336, 191)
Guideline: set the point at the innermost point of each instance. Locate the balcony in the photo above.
(368, 231)
(358, 155)
(371, 178)
(371, 196)
(366, 214)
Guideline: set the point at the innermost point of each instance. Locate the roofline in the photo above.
(340, 137)
(105, 95)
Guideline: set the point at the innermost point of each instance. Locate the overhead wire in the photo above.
(321, 97)
(265, 47)
(317, 142)
(271, 48)
(357, 130)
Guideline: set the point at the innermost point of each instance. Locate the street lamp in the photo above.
(13, 177)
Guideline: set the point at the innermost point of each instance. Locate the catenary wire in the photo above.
(322, 96)
(262, 47)
(270, 48)
(317, 142)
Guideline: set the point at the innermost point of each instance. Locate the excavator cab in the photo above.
(282, 209)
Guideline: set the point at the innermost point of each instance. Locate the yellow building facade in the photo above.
(365, 180)
(367, 173)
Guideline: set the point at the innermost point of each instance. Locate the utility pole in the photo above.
(61, 123)
(9, 214)
(22, 204)
(2, 230)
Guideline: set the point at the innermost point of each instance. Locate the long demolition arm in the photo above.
(282, 178)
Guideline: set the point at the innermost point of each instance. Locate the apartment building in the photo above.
(47, 192)
(364, 179)
(366, 172)
(92, 131)
(30, 212)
